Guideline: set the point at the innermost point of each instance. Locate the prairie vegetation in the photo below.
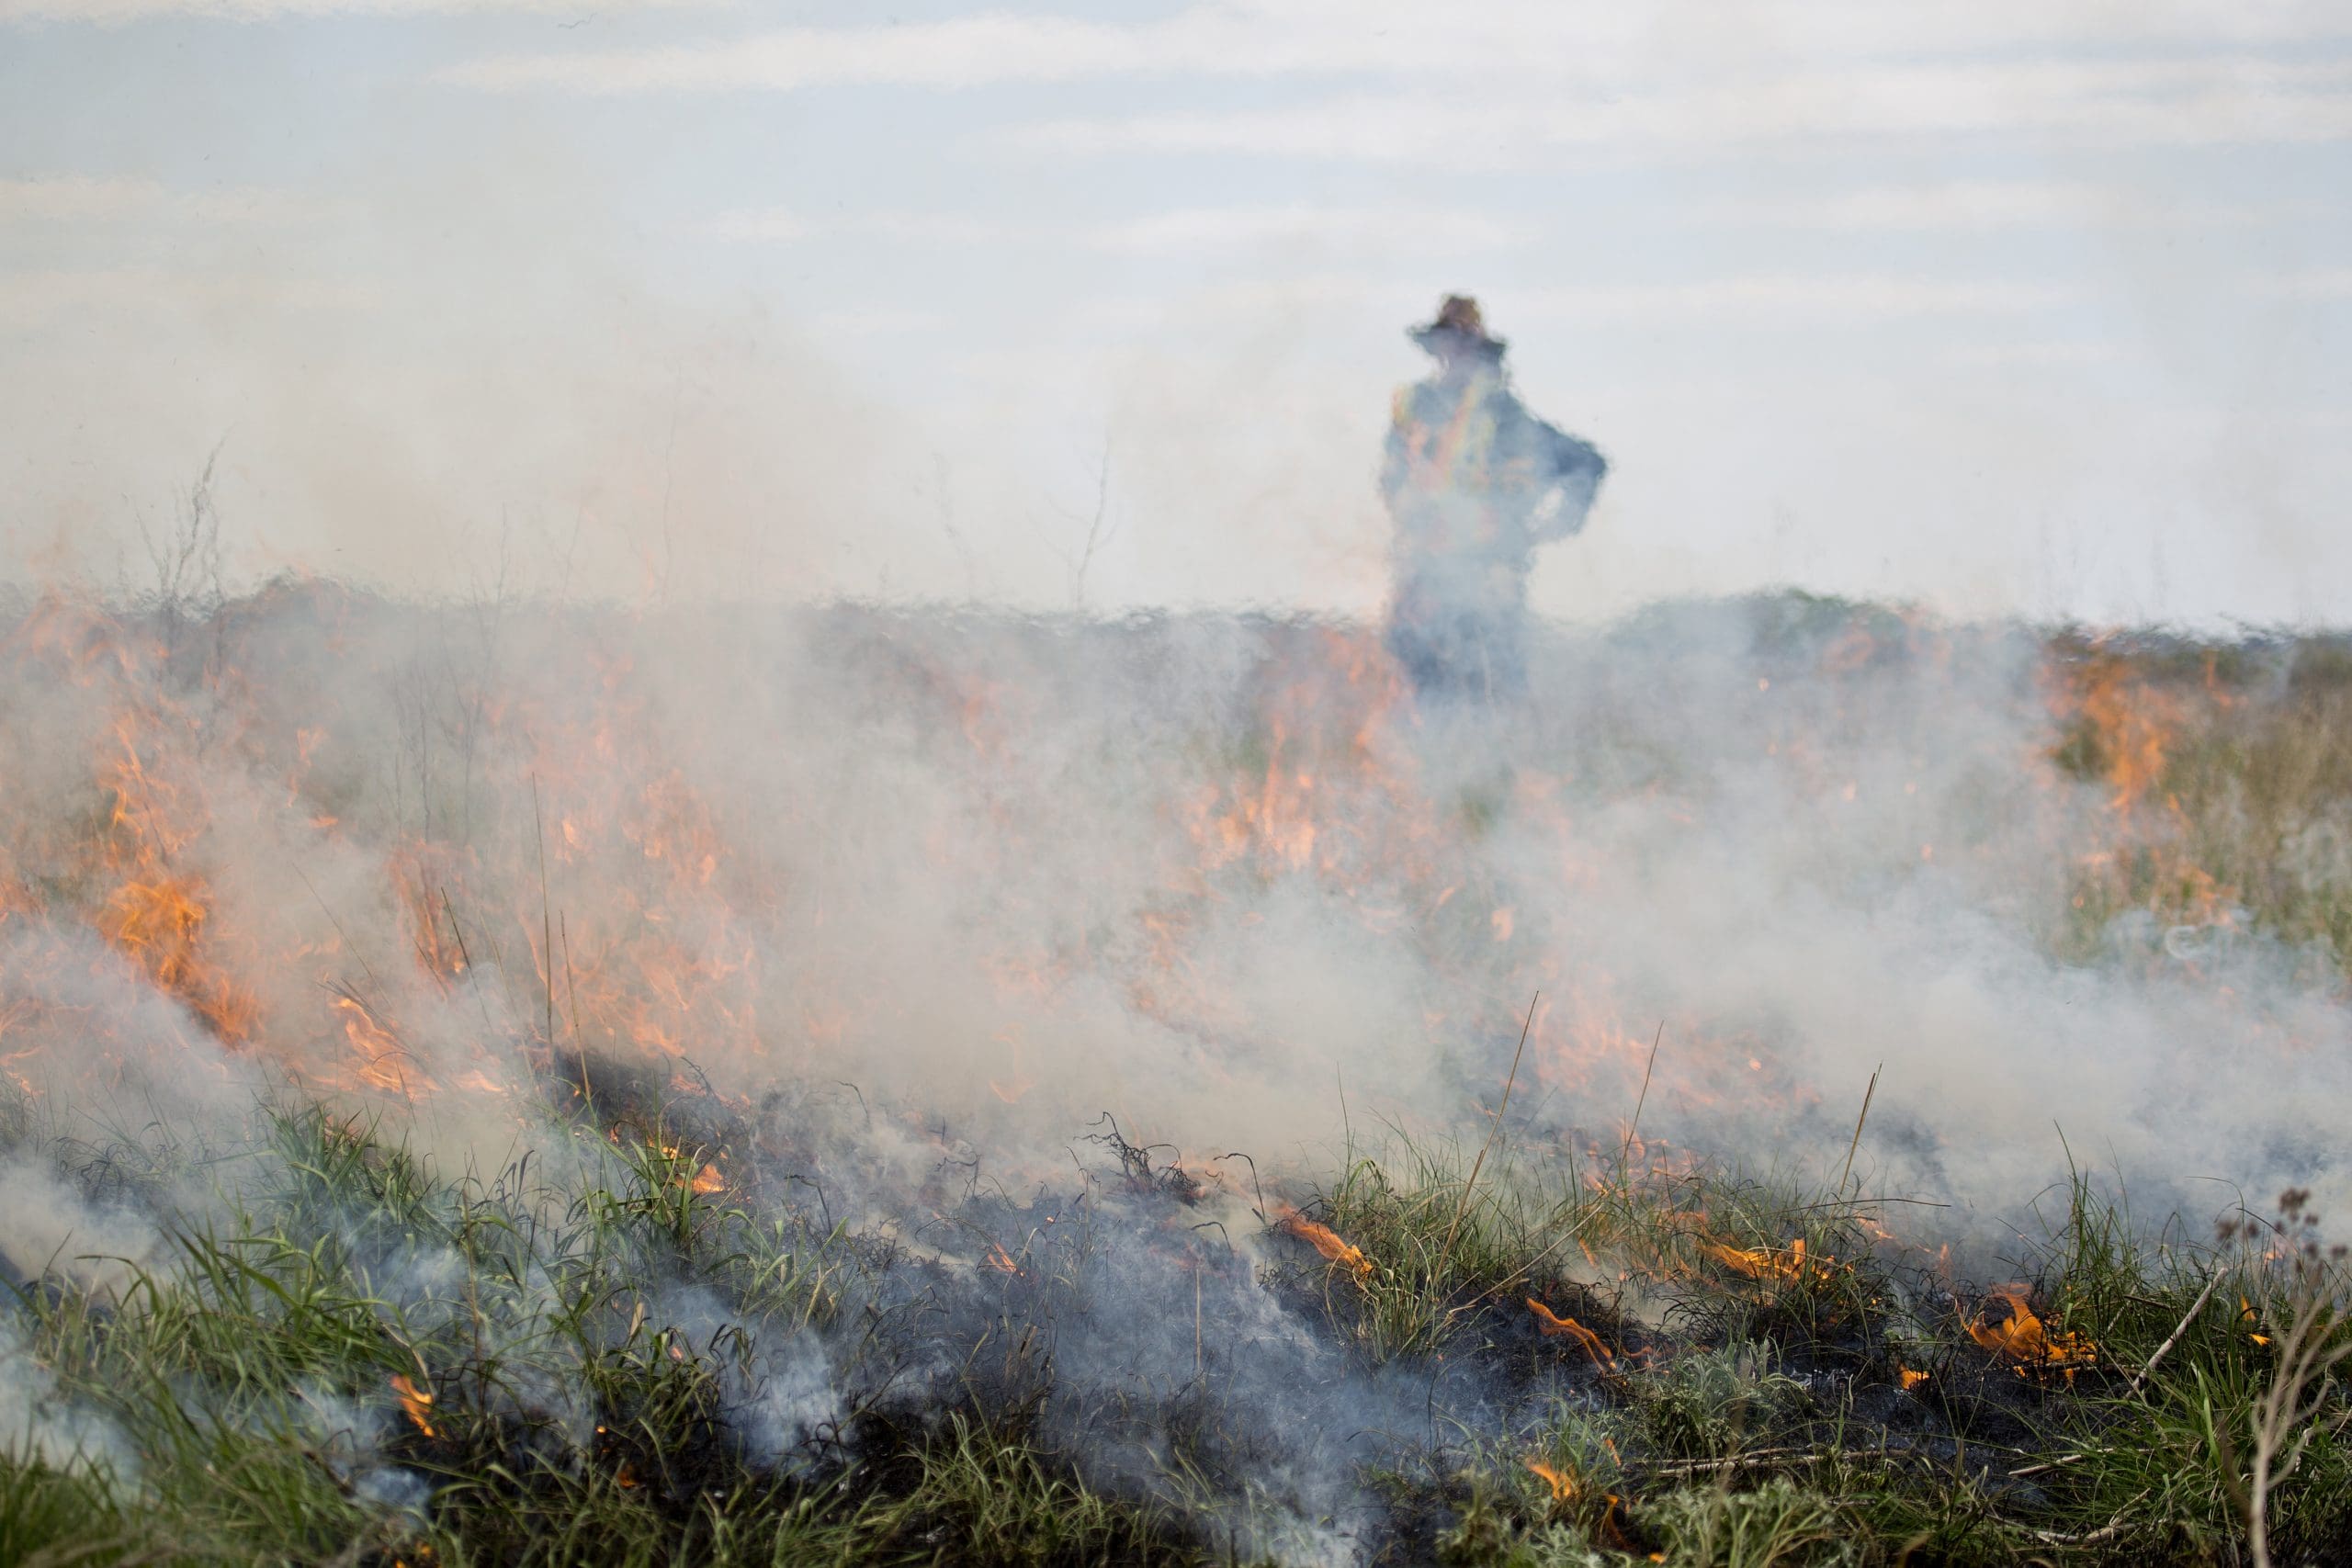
(674, 1324)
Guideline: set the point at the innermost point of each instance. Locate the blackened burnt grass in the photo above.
(342, 1353)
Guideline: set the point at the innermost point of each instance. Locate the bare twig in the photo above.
(2288, 1413)
(1261, 1209)
(546, 925)
(1867, 1203)
(570, 982)
(456, 930)
(2162, 1350)
(1625, 1152)
(1095, 537)
(1080, 561)
(1754, 1459)
(1844, 1176)
(348, 945)
(1196, 1323)
(2107, 1531)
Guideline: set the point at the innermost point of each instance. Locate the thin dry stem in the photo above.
(1446, 1254)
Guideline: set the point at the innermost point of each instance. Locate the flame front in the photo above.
(598, 898)
(2126, 729)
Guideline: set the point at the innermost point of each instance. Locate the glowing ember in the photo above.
(2024, 1339)
(416, 1401)
(1910, 1379)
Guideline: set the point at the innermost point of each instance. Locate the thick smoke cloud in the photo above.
(1213, 874)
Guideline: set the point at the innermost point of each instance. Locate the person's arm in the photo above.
(1573, 471)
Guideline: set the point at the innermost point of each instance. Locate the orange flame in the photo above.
(2131, 725)
(160, 925)
(382, 1061)
(1562, 1483)
(2246, 1314)
(416, 1401)
(2023, 1338)
(1551, 1324)
(1327, 1242)
(1790, 1264)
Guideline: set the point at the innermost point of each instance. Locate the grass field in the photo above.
(684, 1329)
(363, 1360)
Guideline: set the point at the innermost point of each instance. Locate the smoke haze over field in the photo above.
(887, 911)
(1983, 308)
(589, 358)
(1213, 874)
(612, 607)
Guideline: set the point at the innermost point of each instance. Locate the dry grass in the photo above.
(1697, 1366)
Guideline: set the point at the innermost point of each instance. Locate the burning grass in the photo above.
(1883, 1414)
(353, 1356)
(2229, 774)
(675, 1322)
(346, 1353)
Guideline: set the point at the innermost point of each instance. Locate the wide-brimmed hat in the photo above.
(1459, 326)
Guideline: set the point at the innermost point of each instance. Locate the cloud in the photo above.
(1542, 43)
(761, 225)
(777, 226)
(1769, 301)
(2156, 103)
(879, 321)
(965, 53)
(118, 13)
(1192, 230)
(1230, 227)
(2030, 353)
(1981, 205)
(2331, 283)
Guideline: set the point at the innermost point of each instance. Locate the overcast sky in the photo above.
(2000, 305)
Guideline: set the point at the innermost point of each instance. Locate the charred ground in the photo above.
(369, 1361)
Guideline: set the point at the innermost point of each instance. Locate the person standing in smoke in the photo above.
(1474, 482)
